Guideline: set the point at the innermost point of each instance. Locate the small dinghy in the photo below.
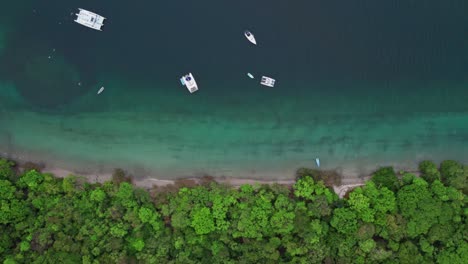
(317, 161)
(250, 75)
(189, 82)
(90, 19)
(100, 90)
(250, 37)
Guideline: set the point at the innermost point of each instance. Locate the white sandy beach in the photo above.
(149, 182)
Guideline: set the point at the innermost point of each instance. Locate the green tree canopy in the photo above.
(429, 171)
(51, 220)
(386, 177)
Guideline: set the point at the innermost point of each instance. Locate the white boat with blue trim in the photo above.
(189, 82)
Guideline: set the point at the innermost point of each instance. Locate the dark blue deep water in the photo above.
(358, 82)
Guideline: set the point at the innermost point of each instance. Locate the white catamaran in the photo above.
(90, 19)
(267, 81)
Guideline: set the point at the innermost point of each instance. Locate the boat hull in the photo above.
(250, 37)
(90, 19)
(189, 82)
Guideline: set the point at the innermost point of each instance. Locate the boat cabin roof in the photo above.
(90, 19)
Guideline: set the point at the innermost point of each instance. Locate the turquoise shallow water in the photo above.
(168, 136)
(357, 85)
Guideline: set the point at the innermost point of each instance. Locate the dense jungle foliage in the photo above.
(394, 218)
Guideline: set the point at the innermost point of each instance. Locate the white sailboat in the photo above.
(90, 19)
(250, 37)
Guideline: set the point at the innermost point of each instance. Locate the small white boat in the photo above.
(100, 90)
(250, 75)
(317, 161)
(250, 37)
(189, 82)
(89, 19)
(267, 81)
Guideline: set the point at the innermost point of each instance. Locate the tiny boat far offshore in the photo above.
(250, 37)
(90, 19)
(189, 82)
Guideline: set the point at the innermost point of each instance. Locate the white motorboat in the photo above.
(100, 90)
(250, 75)
(90, 19)
(250, 37)
(189, 82)
(267, 81)
(317, 161)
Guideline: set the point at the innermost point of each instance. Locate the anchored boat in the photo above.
(250, 37)
(90, 19)
(267, 81)
(189, 82)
